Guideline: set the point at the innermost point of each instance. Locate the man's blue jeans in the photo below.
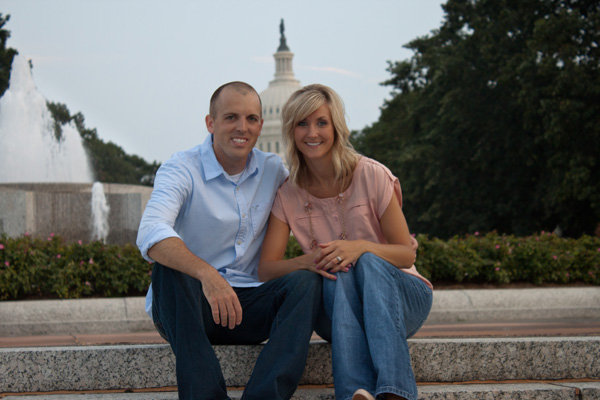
(374, 308)
(283, 310)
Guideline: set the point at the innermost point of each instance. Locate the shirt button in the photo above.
(243, 215)
(239, 242)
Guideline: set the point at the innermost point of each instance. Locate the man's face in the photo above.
(235, 126)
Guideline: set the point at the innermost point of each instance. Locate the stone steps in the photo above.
(76, 368)
(473, 391)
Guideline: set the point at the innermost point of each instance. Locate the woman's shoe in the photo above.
(362, 394)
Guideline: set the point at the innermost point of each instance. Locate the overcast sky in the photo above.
(142, 71)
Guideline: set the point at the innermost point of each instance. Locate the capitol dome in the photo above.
(274, 97)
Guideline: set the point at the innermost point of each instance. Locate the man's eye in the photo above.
(229, 117)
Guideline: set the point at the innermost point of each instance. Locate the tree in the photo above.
(494, 122)
(6, 55)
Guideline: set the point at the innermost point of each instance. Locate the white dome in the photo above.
(275, 96)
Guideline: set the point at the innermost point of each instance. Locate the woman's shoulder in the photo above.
(288, 189)
(370, 168)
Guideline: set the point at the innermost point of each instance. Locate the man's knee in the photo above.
(305, 278)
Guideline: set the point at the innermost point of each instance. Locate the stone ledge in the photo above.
(119, 315)
(434, 360)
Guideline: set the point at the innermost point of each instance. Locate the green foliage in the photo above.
(110, 163)
(501, 259)
(494, 122)
(6, 55)
(52, 268)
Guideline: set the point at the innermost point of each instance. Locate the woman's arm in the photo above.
(399, 250)
(272, 265)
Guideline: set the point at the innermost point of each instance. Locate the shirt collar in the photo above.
(212, 167)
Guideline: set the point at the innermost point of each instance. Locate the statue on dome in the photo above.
(282, 42)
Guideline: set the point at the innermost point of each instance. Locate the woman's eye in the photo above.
(322, 123)
(302, 123)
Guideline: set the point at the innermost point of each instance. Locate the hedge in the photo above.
(52, 268)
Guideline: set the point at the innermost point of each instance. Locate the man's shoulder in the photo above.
(187, 155)
(185, 158)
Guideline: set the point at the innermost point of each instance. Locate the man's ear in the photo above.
(210, 123)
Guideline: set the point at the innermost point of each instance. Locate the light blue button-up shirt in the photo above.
(219, 220)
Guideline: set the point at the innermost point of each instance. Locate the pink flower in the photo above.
(497, 268)
(7, 263)
(91, 261)
(567, 275)
(497, 246)
(49, 239)
(58, 256)
(555, 257)
(599, 249)
(51, 234)
(80, 262)
(2, 247)
(543, 232)
(79, 242)
(476, 233)
(27, 234)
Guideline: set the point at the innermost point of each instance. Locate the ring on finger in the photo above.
(338, 259)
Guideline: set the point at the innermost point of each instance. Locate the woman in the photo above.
(345, 211)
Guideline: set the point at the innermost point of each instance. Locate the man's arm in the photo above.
(224, 303)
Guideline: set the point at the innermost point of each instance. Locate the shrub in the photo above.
(52, 268)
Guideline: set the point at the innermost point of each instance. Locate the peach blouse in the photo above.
(364, 203)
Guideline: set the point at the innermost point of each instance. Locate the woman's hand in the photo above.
(339, 255)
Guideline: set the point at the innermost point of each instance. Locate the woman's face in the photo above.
(314, 135)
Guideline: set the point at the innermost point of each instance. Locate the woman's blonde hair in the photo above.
(300, 105)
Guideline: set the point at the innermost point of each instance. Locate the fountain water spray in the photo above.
(30, 151)
(100, 212)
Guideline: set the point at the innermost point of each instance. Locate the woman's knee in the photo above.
(369, 264)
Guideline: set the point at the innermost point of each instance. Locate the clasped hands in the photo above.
(340, 255)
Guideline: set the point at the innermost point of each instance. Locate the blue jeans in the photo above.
(374, 309)
(283, 310)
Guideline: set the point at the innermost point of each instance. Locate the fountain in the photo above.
(46, 182)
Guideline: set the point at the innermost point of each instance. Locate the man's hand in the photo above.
(224, 303)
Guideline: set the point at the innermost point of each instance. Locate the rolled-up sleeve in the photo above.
(172, 186)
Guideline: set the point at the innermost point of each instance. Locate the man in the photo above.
(203, 227)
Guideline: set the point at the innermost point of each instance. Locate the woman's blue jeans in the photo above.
(283, 310)
(374, 308)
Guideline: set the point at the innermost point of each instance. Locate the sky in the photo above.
(142, 71)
